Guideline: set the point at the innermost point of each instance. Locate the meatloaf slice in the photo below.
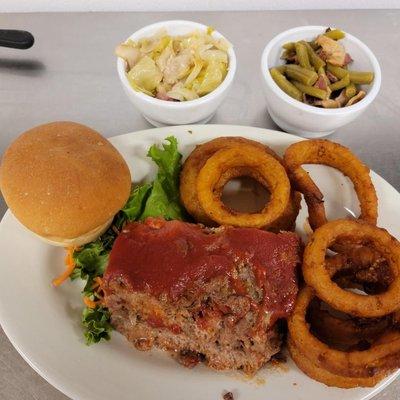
(202, 294)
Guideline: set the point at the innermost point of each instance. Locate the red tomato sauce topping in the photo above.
(168, 257)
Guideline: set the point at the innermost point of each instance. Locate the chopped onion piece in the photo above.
(145, 75)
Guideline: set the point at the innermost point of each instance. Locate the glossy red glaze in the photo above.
(160, 257)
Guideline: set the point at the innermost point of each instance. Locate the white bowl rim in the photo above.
(370, 96)
(179, 104)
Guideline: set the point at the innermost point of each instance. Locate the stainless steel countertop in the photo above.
(70, 74)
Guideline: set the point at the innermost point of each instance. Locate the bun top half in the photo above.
(62, 180)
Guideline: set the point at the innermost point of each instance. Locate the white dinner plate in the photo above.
(43, 322)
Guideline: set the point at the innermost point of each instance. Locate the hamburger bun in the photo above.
(64, 182)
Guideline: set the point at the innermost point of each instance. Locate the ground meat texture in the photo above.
(220, 307)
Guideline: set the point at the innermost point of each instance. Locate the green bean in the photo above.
(340, 84)
(301, 75)
(351, 90)
(302, 55)
(315, 60)
(288, 46)
(335, 34)
(311, 90)
(337, 71)
(285, 85)
(361, 78)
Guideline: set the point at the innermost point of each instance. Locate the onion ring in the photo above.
(344, 334)
(287, 221)
(396, 319)
(381, 356)
(260, 166)
(196, 160)
(337, 156)
(355, 258)
(322, 375)
(374, 279)
(360, 268)
(288, 218)
(318, 277)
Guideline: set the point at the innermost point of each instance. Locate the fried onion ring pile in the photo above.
(318, 342)
(252, 159)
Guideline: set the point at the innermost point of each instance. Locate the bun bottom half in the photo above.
(78, 241)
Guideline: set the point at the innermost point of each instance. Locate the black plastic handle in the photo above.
(16, 39)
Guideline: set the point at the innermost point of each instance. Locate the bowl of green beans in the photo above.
(317, 79)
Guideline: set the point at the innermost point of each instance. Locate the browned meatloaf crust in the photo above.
(201, 294)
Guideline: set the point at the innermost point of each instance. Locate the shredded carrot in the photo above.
(98, 280)
(95, 286)
(89, 303)
(69, 262)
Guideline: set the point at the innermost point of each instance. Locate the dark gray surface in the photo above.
(70, 74)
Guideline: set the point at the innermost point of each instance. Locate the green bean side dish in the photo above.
(316, 72)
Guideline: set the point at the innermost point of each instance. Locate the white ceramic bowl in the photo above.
(302, 119)
(161, 112)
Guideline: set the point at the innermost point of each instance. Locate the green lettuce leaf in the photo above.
(90, 262)
(96, 324)
(163, 200)
(160, 205)
(136, 202)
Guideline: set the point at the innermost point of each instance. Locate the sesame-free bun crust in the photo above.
(64, 180)
(76, 241)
